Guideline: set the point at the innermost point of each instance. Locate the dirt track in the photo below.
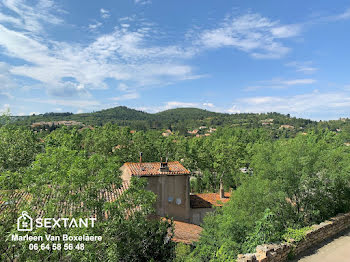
(334, 250)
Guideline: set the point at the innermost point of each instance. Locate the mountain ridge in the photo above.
(174, 119)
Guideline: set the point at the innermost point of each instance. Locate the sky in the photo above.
(152, 55)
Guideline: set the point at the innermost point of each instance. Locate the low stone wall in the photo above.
(281, 252)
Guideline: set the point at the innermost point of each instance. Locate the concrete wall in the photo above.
(197, 215)
(280, 252)
(175, 187)
(170, 189)
(126, 175)
(172, 195)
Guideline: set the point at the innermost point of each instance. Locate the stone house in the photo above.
(170, 181)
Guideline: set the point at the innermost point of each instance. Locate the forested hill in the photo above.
(187, 113)
(181, 119)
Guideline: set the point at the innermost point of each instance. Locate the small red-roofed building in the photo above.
(203, 203)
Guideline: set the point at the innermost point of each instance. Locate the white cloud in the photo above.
(123, 87)
(95, 26)
(303, 67)
(105, 13)
(34, 113)
(169, 105)
(347, 87)
(299, 105)
(142, 2)
(281, 83)
(233, 110)
(30, 17)
(124, 55)
(286, 31)
(8, 19)
(251, 33)
(127, 96)
(176, 104)
(85, 104)
(306, 81)
(343, 16)
(6, 80)
(5, 109)
(211, 105)
(69, 89)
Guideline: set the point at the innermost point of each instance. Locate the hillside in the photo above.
(187, 113)
(181, 119)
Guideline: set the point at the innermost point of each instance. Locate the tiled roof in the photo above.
(149, 169)
(185, 232)
(19, 198)
(207, 200)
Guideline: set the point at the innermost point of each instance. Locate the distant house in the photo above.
(268, 120)
(286, 127)
(193, 132)
(167, 132)
(56, 123)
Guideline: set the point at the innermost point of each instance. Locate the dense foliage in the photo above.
(282, 180)
(295, 183)
(62, 176)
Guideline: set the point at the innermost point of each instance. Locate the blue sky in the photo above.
(226, 56)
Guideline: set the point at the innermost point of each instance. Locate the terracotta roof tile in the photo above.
(149, 169)
(186, 233)
(207, 200)
(19, 198)
(183, 232)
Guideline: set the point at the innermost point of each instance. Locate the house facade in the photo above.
(170, 181)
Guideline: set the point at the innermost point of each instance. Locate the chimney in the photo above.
(221, 190)
(140, 158)
(164, 165)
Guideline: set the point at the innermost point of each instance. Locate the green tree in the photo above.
(18, 147)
